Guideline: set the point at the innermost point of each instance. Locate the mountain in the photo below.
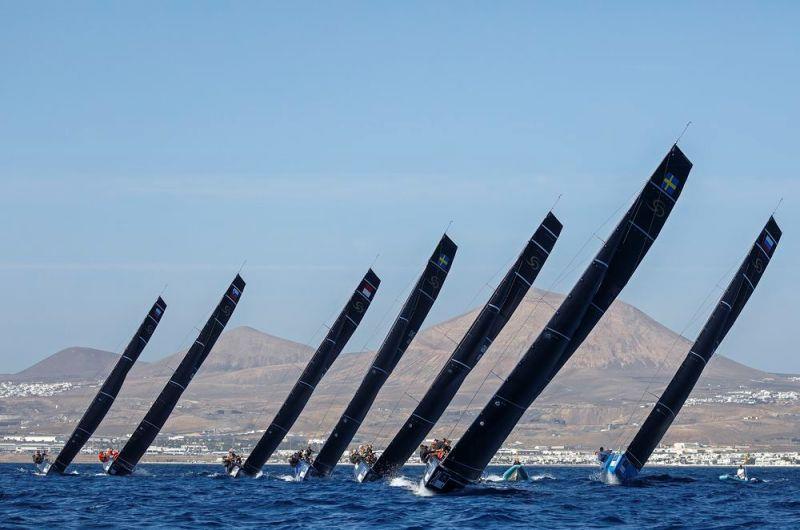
(70, 364)
(610, 383)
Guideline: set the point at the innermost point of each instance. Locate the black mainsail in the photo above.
(402, 332)
(336, 339)
(490, 321)
(719, 323)
(108, 392)
(583, 307)
(155, 418)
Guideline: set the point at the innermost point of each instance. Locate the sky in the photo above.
(154, 146)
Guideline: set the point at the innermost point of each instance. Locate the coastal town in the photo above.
(210, 448)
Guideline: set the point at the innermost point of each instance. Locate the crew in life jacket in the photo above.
(40, 457)
(301, 456)
(424, 453)
(231, 459)
(107, 455)
(364, 454)
(439, 449)
(603, 454)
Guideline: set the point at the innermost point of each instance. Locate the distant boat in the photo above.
(402, 332)
(624, 467)
(516, 473)
(161, 409)
(572, 322)
(108, 392)
(330, 348)
(490, 321)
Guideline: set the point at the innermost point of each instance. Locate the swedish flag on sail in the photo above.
(443, 261)
(670, 184)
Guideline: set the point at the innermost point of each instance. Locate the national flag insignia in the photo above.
(443, 261)
(769, 243)
(235, 293)
(670, 184)
(158, 311)
(366, 290)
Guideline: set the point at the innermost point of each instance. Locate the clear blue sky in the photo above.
(150, 143)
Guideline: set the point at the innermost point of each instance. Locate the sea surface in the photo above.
(184, 496)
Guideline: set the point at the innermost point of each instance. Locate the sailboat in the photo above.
(625, 466)
(108, 392)
(402, 332)
(336, 339)
(159, 412)
(490, 321)
(584, 306)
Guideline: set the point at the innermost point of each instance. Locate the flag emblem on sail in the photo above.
(157, 311)
(670, 184)
(443, 261)
(235, 293)
(769, 243)
(366, 290)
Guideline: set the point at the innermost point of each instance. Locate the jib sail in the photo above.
(721, 320)
(402, 332)
(336, 339)
(155, 418)
(490, 321)
(583, 307)
(108, 392)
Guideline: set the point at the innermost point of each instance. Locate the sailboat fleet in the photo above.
(450, 466)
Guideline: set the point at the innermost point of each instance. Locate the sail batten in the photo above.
(405, 328)
(488, 324)
(108, 392)
(164, 404)
(604, 278)
(720, 321)
(331, 346)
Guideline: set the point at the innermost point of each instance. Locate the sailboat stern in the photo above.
(617, 469)
(440, 479)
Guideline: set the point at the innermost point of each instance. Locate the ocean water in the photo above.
(194, 496)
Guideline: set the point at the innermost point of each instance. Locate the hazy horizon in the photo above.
(148, 145)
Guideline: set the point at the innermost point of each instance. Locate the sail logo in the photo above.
(444, 261)
(769, 243)
(366, 290)
(158, 311)
(235, 293)
(670, 184)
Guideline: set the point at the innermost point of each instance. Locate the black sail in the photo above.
(583, 307)
(722, 318)
(108, 392)
(490, 321)
(336, 339)
(402, 332)
(155, 418)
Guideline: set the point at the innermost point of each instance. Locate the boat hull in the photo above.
(441, 480)
(617, 469)
(301, 470)
(515, 473)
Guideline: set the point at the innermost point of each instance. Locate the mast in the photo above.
(155, 418)
(403, 331)
(108, 392)
(490, 321)
(336, 339)
(583, 307)
(721, 320)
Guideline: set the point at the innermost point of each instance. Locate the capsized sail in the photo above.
(108, 392)
(583, 307)
(402, 332)
(627, 465)
(490, 321)
(155, 418)
(336, 339)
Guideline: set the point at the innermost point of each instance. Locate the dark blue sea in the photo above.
(184, 496)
